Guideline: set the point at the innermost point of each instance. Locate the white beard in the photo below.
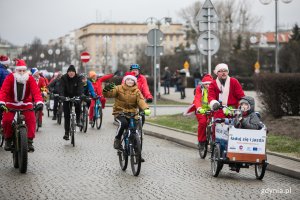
(21, 78)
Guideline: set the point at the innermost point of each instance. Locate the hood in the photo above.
(249, 100)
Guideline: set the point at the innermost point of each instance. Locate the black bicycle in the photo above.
(59, 109)
(20, 142)
(72, 101)
(131, 145)
(208, 132)
(84, 114)
(1, 135)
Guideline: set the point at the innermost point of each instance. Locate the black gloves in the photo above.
(39, 106)
(216, 106)
(149, 100)
(109, 87)
(3, 107)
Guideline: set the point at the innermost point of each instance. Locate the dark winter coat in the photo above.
(71, 87)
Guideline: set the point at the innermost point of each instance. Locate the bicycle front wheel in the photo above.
(85, 120)
(23, 150)
(135, 155)
(1, 137)
(37, 120)
(99, 117)
(123, 156)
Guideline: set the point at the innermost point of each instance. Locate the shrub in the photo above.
(280, 93)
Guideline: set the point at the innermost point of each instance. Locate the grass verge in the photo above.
(275, 143)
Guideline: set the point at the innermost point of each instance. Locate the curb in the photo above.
(270, 167)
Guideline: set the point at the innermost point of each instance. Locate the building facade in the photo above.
(110, 44)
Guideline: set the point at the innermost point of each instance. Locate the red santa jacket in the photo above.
(143, 86)
(8, 93)
(98, 84)
(42, 84)
(230, 94)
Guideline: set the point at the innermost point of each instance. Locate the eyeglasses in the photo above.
(224, 70)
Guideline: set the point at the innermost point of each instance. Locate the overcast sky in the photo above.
(22, 20)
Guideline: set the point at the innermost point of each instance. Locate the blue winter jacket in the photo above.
(88, 89)
(3, 74)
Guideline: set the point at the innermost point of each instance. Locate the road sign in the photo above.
(150, 51)
(186, 65)
(203, 43)
(207, 10)
(85, 57)
(155, 33)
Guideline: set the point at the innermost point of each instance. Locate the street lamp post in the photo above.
(57, 52)
(266, 2)
(158, 23)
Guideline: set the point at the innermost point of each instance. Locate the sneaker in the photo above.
(54, 117)
(117, 144)
(201, 146)
(142, 159)
(30, 146)
(66, 136)
(7, 145)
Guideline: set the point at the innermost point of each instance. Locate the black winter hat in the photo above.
(71, 69)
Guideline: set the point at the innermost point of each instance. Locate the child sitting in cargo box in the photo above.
(248, 119)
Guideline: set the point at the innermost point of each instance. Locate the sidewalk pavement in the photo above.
(277, 162)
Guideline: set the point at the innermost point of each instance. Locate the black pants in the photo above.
(56, 100)
(167, 87)
(67, 108)
(123, 124)
(182, 92)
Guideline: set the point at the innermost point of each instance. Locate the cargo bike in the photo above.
(239, 148)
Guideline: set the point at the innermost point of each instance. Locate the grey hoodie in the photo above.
(251, 120)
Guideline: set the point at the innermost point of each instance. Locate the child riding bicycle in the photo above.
(128, 98)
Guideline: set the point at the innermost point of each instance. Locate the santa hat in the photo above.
(131, 76)
(34, 70)
(207, 79)
(220, 67)
(4, 60)
(20, 64)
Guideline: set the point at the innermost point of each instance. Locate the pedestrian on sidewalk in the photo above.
(167, 80)
(182, 83)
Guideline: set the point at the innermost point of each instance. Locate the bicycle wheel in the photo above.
(37, 120)
(59, 114)
(1, 136)
(72, 132)
(260, 170)
(203, 152)
(99, 117)
(23, 150)
(123, 156)
(216, 163)
(135, 154)
(84, 120)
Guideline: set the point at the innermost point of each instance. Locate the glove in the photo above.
(116, 73)
(201, 110)
(149, 100)
(216, 106)
(109, 87)
(227, 111)
(112, 85)
(3, 107)
(39, 106)
(147, 112)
